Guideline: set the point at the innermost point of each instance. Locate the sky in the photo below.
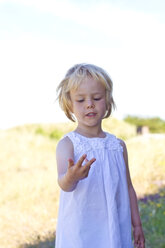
(41, 39)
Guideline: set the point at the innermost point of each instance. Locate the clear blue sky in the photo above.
(40, 40)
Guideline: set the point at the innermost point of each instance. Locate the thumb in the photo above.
(70, 163)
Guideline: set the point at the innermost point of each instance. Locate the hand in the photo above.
(78, 171)
(139, 240)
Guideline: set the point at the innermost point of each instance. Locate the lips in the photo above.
(91, 114)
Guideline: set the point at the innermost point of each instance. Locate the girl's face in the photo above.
(89, 103)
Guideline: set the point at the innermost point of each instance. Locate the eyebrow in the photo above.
(95, 93)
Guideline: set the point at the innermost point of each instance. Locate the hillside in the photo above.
(28, 185)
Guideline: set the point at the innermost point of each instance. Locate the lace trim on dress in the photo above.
(82, 143)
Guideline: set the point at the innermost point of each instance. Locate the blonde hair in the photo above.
(74, 77)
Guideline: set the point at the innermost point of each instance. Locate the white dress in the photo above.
(96, 214)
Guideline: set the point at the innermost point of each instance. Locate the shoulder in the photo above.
(64, 151)
(64, 143)
(125, 153)
(122, 143)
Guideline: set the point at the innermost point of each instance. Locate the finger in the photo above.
(70, 163)
(136, 242)
(80, 161)
(142, 244)
(90, 162)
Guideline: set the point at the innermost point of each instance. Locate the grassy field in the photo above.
(29, 190)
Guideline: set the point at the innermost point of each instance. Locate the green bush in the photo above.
(53, 134)
(155, 124)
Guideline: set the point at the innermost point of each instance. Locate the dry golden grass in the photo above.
(147, 163)
(119, 128)
(28, 185)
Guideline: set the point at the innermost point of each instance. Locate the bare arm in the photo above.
(69, 173)
(139, 240)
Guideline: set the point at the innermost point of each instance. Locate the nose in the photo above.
(90, 104)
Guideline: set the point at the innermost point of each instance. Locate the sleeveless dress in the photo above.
(96, 214)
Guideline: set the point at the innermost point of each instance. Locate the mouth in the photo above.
(91, 114)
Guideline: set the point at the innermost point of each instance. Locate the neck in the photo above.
(91, 132)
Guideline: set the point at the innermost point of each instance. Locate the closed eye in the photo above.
(97, 99)
(80, 100)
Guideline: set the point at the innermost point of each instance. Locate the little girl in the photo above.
(97, 200)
